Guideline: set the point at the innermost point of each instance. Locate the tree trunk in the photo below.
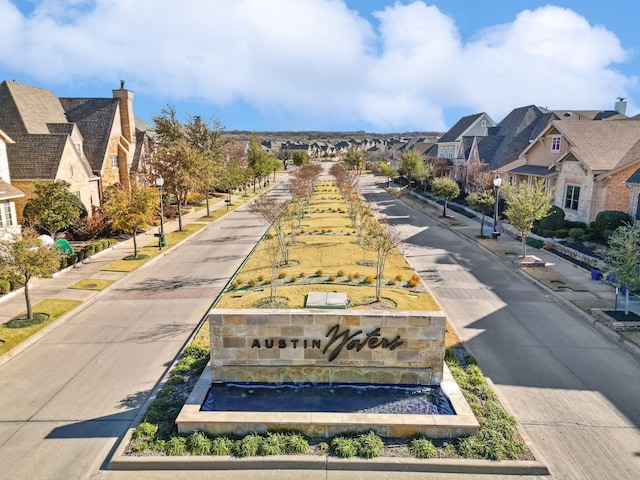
(444, 209)
(626, 302)
(208, 211)
(482, 225)
(524, 246)
(27, 299)
(135, 242)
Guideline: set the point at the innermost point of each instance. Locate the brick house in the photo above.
(633, 182)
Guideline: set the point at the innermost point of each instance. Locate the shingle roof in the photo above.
(26, 109)
(540, 171)
(35, 156)
(459, 128)
(602, 146)
(95, 117)
(8, 191)
(512, 135)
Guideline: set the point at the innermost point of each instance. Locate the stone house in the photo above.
(88, 142)
(8, 194)
(587, 162)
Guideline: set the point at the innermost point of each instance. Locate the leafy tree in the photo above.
(301, 158)
(54, 208)
(23, 257)
(387, 170)
(178, 159)
(482, 201)
(412, 165)
(207, 139)
(130, 209)
(623, 258)
(445, 188)
(354, 159)
(527, 203)
(258, 160)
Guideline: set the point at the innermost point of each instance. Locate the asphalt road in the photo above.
(574, 390)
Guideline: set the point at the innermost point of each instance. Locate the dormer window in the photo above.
(114, 161)
(79, 148)
(556, 143)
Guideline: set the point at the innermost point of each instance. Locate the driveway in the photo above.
(575, 391)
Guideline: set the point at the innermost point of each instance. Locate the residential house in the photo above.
(46, 146)
(587, 162)
(88, 142)
(8, 193)
(633, 182)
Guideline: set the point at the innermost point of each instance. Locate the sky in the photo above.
(330, 65)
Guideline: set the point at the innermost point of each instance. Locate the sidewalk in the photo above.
(565, 280)
(57, 287)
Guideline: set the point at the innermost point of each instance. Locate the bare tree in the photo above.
(382, 239)
(270, 212)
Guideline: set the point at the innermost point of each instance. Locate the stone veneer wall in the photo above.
(295, 346)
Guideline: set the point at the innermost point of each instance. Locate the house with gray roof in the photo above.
(45, 145)
(88, 142)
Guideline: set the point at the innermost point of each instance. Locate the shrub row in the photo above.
(87, 250)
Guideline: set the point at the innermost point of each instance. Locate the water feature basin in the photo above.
(327, 397)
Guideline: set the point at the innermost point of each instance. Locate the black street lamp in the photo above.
(496, 187)
(162, 241)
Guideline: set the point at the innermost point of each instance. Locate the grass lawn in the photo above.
(91, 284)
(11, 337)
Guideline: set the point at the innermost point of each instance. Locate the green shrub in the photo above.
(423, 448)
(332, 278)
(282, 275)
(198, 443)
(272, 444)
(176, 446)
(80, 254)
(296, 444)
(576, 233)
(609, 220)
(97, 246)
(554, 219)
(248, 446)
(561, 233)
(5, 287)
(340, 273)
(319, 273)
(569, 225)
(222, 446)
(89, 250)
(587, 237)
(145, 429)
(391, 282)
(72, 259)
(344, 447)
(368, 280)
(370, 445)
(546, 233)
(535, 242)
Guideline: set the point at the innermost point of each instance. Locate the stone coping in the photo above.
(326, 424)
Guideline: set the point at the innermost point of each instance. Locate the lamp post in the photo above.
(162, 241)
(388, 174)
(496, 187)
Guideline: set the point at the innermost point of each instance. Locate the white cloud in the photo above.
(315, 59)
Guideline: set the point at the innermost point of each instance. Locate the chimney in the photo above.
(621, 105)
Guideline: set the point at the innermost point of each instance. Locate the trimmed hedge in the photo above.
(608, 220)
